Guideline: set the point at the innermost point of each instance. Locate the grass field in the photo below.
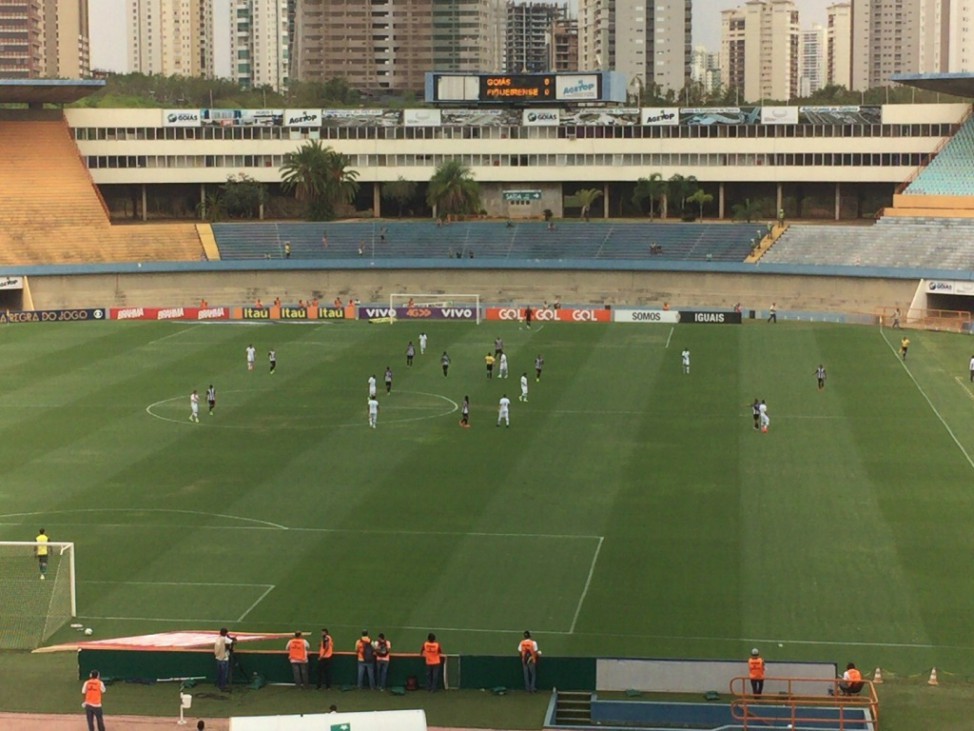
(628, 510)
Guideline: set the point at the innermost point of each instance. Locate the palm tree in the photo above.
(586, 197)
(702, 198)
(651, 188)
(746, 211)
(319, 178)
(679, 188)
(452, 190)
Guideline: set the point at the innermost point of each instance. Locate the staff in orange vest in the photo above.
(755, 671)
(92, 690)
(528, 650)
(297, 655)
(365, 655)
(851, 682)
(433, 652)
(383, 651)
(325, 650)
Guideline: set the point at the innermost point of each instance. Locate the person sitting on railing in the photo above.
(851, 681)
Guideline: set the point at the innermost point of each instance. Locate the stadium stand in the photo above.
(52, 212)
(951, 172)
(898, 242)
(489, 240)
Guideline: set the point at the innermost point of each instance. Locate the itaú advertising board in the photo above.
(645, 317)
(565, 314)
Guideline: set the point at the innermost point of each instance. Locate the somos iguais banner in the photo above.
(710, 317)
(645, 317)
(565, 314)
(7, 316)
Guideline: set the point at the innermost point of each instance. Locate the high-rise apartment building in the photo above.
(960, 54)
(759, 50)
(563, 48)
(260, 39)
(171, 37)
(647, 40)
(838, 45)
(44, 38)
(811, 60)
(705, 69)
(885, 40)
(387, 46)
(528, 37)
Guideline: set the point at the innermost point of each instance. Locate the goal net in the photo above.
(33, 608)
(465, 306)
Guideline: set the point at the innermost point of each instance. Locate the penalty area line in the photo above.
(588, 582)
(668, 338)
(964, 386)
(267, 591)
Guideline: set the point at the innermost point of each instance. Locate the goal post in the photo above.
(427, 299)
(37, 597)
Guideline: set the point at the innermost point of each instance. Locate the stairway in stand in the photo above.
(573, 709)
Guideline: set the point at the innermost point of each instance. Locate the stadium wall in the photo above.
(826, 293)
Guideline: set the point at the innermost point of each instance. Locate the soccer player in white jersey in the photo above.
(504, 411)
(373, 410)
(251, 357)
(372, 385)
(524, 388)
(422, 343)
(503, 369)
(685, 357)
(194, 407)
(763, 417)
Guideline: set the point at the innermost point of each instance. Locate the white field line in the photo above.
(588, 582)
(172, 335)
(964, 386)
(267, 591)
(929, 402)
(668, 337)
(171, 583)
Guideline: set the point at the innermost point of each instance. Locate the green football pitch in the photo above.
(630, 509)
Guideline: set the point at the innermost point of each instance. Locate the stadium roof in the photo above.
(956, 84)
(46, 91)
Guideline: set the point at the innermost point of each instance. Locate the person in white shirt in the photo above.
(763, 417)
(194, 406)
(504, 411)
(524, 388)
(685, 356)
(972, 369)
(422, 343)
(373, 410)
(503, 368)
(372, 385)
(251, 357)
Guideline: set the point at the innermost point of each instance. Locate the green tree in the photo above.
(651, 189)
(400, 191)
(242, 196)
(453, 190)
(701, 198)
(586, 198)
(210, 208)
(319, 178)
(679, 188)
(746, 211)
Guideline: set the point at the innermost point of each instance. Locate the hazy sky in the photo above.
(108, 39)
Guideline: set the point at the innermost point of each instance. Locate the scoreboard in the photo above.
(517, 87)
(525, 89)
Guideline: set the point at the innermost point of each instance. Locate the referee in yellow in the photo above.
(41, 552)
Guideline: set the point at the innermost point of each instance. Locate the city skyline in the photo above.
(109, 50)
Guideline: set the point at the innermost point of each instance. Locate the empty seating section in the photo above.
(488, 240)
(900, 242)
(52, 213)
(951, 172)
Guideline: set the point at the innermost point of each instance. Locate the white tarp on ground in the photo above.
(371, 721)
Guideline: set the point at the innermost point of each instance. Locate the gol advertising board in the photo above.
(564, 314)
(645, 317)
(710, 317)
(418, 313)
(8, 316)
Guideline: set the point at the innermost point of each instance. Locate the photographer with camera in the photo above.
(222, 650)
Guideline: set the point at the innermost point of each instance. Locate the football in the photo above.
(88, 631)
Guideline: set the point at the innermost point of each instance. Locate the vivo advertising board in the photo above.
(302, 117)
(779, 115)
(418, 313)
(421, 118)
(577, 87)
(181, 118)
(660, 117)
(540, 118)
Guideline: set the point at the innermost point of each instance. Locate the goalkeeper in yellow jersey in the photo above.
(41, 552)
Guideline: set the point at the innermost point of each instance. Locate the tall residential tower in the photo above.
(171, 37)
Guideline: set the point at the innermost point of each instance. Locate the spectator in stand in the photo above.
(258, 304)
